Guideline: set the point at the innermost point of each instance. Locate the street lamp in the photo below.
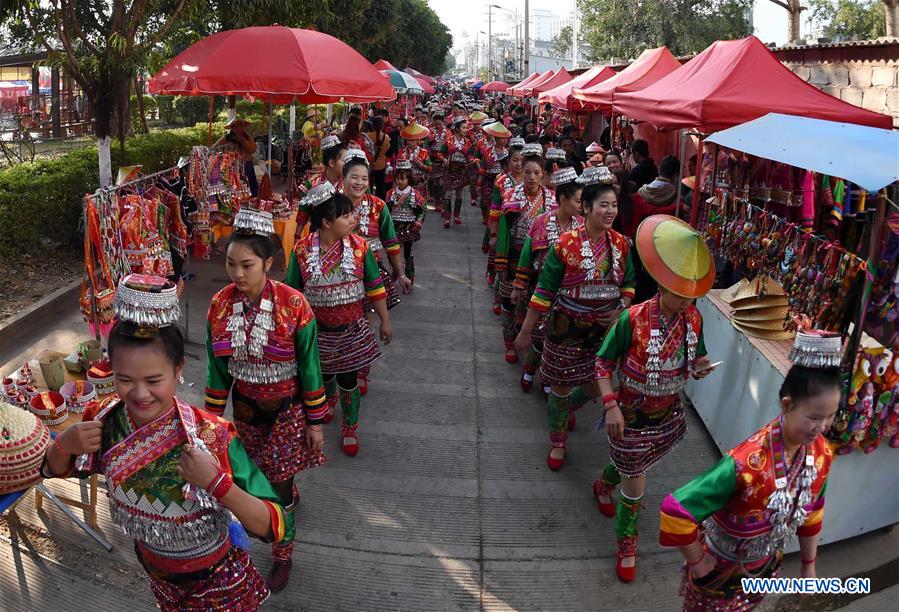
(514, 13)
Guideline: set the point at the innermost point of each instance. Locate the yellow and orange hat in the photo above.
(414, 131)
(497, 130)
(676, 256)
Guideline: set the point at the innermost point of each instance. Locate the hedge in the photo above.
(40, 202)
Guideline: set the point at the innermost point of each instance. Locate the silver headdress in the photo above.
(595, 175)
(556, 154)
(516, 143)
(404, 164)
(148, 301)
(532, 148)
(817, 349)
(329, 141)
(252, 221)
(318, 195)
(562, 176)
(352, 154)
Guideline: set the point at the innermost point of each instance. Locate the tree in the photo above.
(561, 42)
(794, 10)
(624, 28)
(849, 19)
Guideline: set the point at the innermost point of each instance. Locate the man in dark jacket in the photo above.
(644, 169)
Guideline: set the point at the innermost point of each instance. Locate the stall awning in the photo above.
(559, 78)
(866, 156)
(560, 96)
(730, 83)
(652, 65)
(534, 79)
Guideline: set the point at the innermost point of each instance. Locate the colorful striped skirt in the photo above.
(569, 350)
(274, 433)
(406, 232)
(721, 590)
(648, 436)
(348, 349)
(456, 176)
(233, 583)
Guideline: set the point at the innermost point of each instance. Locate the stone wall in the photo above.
(865, 74)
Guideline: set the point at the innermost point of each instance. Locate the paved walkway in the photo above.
(449, 504)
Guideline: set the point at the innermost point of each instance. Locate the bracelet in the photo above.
(809, 561)
(608, 407)
(609, 397)
(222, 486)
(58, 447)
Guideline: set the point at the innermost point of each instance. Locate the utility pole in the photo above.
(526, 60)
(575, 30)
(489, 42)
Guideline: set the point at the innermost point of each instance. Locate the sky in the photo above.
(471, 16)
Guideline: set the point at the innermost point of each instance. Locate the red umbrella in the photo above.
(425, 86)
(420, 75)
(495, 86)
(383, 64)
(275, 63)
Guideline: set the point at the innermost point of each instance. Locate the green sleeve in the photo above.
(310, 372)
(386, 231)
(246, 475)
(551, 273)
(618, 338)
(502, 236)
(708, 493)
(218, 379)
(526, 257)
(700, 345)
(371, 273)
(630, 276)
(294, 277)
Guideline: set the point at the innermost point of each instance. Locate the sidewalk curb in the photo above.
(16, 330)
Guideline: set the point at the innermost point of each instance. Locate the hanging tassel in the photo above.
(263, 324)
(236, 325)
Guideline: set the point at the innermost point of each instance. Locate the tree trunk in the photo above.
(104, 157)
(793, 20)
(891, 14)
(232, 107)
(140, 106)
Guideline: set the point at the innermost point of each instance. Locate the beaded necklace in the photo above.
(786, 506)
(251, 342)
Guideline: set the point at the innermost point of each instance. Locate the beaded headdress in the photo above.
(502, 154)
(595, 175)
(318, 195)
(532, 148)
(814, 348)
(250, 220)
(329, 141)
(562, 176)
(352, 154)
(404, 164)
(150, 302)
(555, 154)
(516, 143)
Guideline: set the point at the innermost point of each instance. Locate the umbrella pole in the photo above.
(270, 138)
(211, 109)
(680, 173)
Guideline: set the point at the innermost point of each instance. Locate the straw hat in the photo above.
(595, 147)
(765, 313)
(127, 174)
(689, 182)
(477, 116)
(765, 334)
(237, 120)
(23, 441)
(761, 292)
(497, 130)
(676, 256)
(414, 131)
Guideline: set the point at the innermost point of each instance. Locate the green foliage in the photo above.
(195, 109)
(849, 19)
(166, 109)
(625, 28)
(40, 202)
(561, 43)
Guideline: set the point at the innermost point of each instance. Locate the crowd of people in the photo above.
(594, 281)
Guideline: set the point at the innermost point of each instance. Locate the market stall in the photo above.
(518, 90)
(803, 220)
(561, 96)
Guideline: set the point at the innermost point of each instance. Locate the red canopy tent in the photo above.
(495, 86)
(559, 78)
(522, 91)
(426, 87)
(383, 64)
(730, 83)
(526, 81)
(652, 65)
(420, 75)
(560, 96)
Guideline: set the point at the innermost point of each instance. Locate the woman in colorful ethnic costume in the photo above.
(475, 163)
(175, 474)
(586, 280)
(510, 178)
(333, 152)
(338, 274)
(459, 154)
(543, 234)
(492, 148)
(375, 224)
(417, 154)
(734, 521)
(654, 346)
(521, 206)
(437, 152)
(262, 349)
(407, 207)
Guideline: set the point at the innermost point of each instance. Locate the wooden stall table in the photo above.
(40, 492)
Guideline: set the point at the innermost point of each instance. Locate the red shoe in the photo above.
(330, 414)
(511, 356)
(572, 421)
(457, 221)
(554, 464)
(627, 547)
(484, 222)
(602, 489)
(526, 384)
(350, 449)
(497, 309)
(491, 279)
(279, 575)
(446, 224)
(363, 386)
(438, 209)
